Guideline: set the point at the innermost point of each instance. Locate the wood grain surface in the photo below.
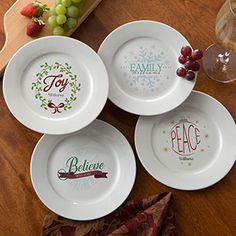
(14, 26)
(207, 212)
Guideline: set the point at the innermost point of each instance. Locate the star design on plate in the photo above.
(165, 149)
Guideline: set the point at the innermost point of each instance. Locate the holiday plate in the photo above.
(141, 58)
(55, 85)
(191, 147)
(84, 175)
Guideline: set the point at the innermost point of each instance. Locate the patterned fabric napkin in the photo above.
(143, 217)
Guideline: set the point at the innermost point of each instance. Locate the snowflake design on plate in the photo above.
(146, 69)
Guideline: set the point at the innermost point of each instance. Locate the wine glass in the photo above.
(219, 60)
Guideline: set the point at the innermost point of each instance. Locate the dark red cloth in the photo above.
(150, 216)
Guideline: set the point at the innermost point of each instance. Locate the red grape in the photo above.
(195, 67)
(182, 59)
(186, 51)
(181, 72)
(190, 75)
(197, 54)
(189, 64)
(192, 65)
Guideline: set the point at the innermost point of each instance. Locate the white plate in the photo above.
(55, 85)
(191, 147)
(104, 171)
(141, 58)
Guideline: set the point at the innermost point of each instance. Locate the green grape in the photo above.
(57, 2)
(52, 21)
(60, 9)
(71, 23)
(76, 1)
(53, 11)
(66, 3)
(58, 31)
(73, 11)
(61, 19)
(80, 8)
(79, 5)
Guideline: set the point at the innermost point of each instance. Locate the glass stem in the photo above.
(223, 60)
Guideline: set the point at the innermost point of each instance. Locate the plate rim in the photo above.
(49, 121)
(132, 158)
(187, 187)
(124, 106)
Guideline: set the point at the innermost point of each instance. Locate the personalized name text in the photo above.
(56, 81)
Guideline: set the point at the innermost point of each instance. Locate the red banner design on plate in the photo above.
(97, 174)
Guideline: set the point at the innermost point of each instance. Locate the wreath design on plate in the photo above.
(66, 104)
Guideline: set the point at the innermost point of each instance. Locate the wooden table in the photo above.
(206, 212)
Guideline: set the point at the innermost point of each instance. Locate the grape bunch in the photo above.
(64, 15)
(188, 59)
